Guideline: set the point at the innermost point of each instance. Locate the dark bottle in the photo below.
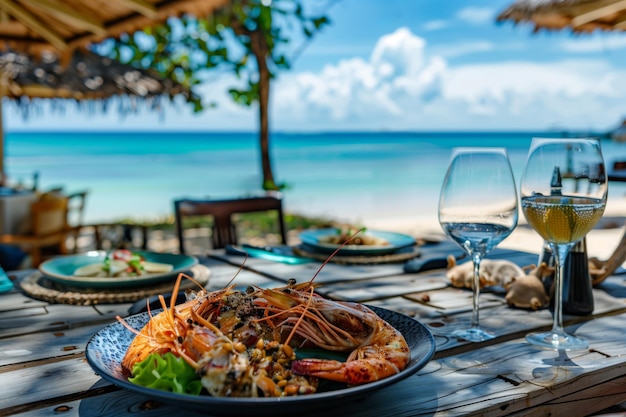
(577, 297)
(577, 289)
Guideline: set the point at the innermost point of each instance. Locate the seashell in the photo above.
(492, 273)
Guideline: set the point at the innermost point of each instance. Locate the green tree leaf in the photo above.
(253, 39)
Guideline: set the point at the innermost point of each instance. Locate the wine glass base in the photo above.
(556, 341)
(473, 335)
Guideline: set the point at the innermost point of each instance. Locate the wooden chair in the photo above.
(109, 236)
(76, 202)
(76, 208)
(49, 228)
(224, 231)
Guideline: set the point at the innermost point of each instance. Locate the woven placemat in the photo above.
(40, 287)
(399, 256)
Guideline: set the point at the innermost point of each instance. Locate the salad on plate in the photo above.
(122, 263)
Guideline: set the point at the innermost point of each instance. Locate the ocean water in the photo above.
(345, 176)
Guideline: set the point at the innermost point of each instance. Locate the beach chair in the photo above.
(49, 229)
(224, 231)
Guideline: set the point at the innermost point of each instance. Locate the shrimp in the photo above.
(243, 343)
(165, 331)
(212, 334)
(377, 349)
(382, 354)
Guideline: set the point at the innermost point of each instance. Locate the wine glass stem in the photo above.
(476, 258)
(560, 252)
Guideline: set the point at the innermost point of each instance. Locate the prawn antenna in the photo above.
(238, 271)
(335, 252)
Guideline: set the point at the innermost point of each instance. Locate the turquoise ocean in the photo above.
(345, 176)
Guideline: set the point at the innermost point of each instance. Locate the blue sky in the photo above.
(410, 65)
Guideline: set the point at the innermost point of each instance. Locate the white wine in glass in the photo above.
(478, 209)
(562, 216)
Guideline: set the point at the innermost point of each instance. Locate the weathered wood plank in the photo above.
(506, 322)
(377, 288)
(57, 317)
(50, 380)
(582, 403)
(331, 273)
(14, 300)
(223, 274)
(42, 366)
(339, 273)
(26, 350)
(500, 379)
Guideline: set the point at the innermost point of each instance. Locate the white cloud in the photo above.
(557, 91)
(476, 15)
(435, 25)
(393, 82)
(398, 53)
(595, 44)
(465, 48)
(472, 15)
(401, 87)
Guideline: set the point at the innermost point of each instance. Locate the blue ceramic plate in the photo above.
(106, 349)
(396, 241)
(61, 269)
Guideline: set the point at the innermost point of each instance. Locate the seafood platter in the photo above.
(262, 351)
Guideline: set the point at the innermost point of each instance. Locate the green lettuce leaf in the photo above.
(168, 373)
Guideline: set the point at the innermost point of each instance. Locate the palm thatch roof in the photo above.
(580, 16)
(88, 76)
(36, 25)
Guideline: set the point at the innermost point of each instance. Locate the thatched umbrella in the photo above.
(35, 25)
(580, 16)
(88, 76)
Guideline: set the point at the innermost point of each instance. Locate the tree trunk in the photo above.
(261, 51)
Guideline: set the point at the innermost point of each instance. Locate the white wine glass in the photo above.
(478, 209)
(562, 212)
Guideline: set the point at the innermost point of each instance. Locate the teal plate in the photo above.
(61, 269)
(396, 241)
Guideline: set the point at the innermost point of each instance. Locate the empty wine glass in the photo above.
(562, 212)
(478, 209)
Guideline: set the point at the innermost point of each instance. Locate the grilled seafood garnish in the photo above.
(214, 332)
(164, 332)
(377, 349)
(243, 343)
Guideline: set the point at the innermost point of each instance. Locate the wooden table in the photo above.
(43, 371)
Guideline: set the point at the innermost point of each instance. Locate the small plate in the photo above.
(106, 349)
(311, 238)
(61, 269)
